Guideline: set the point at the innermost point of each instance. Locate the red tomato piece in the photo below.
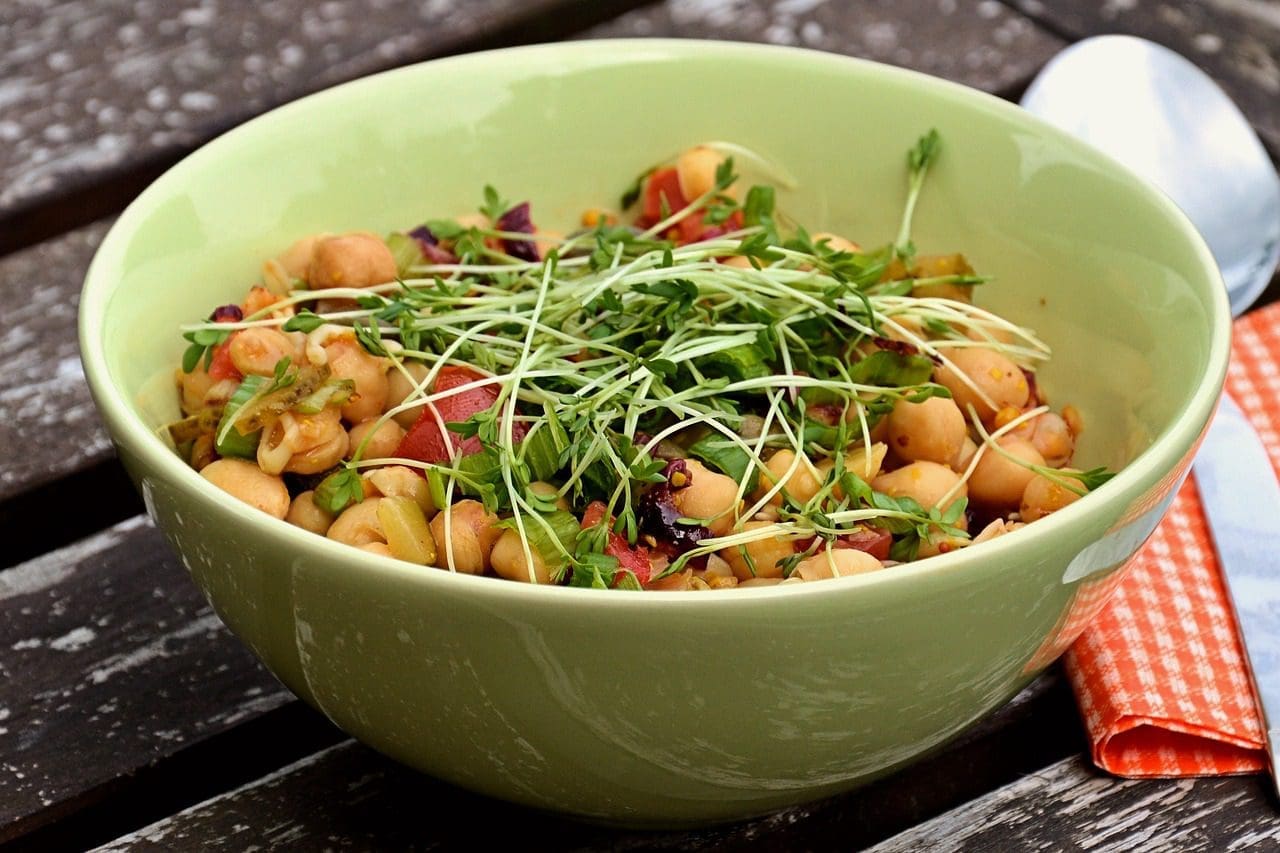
(692, 228)
(220, 365)
(663, 184)
(634, 558)
(426, 442)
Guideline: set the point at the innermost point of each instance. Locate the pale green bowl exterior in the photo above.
(669, 708)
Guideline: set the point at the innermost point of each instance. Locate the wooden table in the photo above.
(129, 716)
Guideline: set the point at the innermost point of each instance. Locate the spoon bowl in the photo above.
(1165, 119)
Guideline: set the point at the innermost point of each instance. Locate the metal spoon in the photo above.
(1160, 115)
(1168, 121)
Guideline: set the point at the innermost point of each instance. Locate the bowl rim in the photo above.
(1143, 472)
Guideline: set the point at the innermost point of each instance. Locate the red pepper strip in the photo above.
(634, 558)
(426, 442)
(220, 364)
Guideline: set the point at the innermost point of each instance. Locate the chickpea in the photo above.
(926, 482)
(195, 388)
(1049, 434)
(348, 360)
(305, 513)
(380, 548)
(801, 485)
(358, 525)
(999, 482)
(594, 216)
(837, 563)
(382, 444)
(397, 481)
(764, 553)
(737, 262)
(993, 373)
(249, 483)
(696, 171)
(933, 431)
(1043, 496)
(908, 329)
(508, 560)
(399, 388)
(256, 351)
(350, 260)
(303, 444)
(709, 496)
(297, 258)
(835, 242)
(471, 539)
(261, 298)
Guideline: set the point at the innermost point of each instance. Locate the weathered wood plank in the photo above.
(977, 42)
(1071, 806)
(110, 660)
(373, 803)
(92, 89)
(1235, 41)
(50, 426)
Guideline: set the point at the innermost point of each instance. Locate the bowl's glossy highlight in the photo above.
(670, 708)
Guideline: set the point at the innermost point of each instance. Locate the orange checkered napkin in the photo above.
(1160, 675)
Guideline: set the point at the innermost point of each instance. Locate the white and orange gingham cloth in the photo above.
(1160, 675)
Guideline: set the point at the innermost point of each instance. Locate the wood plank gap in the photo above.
(237, 757)
(372, 803)
(57, 513)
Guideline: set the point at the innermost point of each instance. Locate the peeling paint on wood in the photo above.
(1071, 806)
(110, 659)
(977, 42)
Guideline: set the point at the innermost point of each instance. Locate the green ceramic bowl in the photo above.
(670, 708)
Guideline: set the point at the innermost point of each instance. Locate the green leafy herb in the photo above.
(202, 343)
(304, 321)
(921, 156)
(339, 490)
(494, 205)
(632, 193)
(887, 368)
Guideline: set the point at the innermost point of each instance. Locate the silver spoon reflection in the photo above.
(1165, 119)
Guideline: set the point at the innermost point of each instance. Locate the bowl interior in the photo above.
(1076, 250)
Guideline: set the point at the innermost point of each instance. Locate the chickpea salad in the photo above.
(692, 392)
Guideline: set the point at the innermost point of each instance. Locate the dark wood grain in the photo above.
(97, 95)
(50, 427)
(1235, 41)
(1071, 806)
(373, 803)
(110, 660)
(978, 43)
